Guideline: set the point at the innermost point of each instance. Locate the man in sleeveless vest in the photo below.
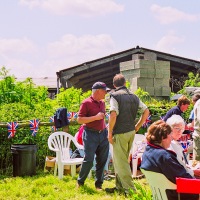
(124, 106)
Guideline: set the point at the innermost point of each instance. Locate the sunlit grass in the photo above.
(47, 187)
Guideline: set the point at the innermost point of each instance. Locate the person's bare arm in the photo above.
(85, 120)
(142, 119)
(112, 121)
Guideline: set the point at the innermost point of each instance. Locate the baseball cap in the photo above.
(100, 85)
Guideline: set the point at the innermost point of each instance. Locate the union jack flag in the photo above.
(107, 116)
(72, 115)
(184, 141)
(34, 125)
(53, 128)
(12, 126)
(147, 122)
(76, 115)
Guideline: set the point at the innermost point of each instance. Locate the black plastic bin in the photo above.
(24, 159)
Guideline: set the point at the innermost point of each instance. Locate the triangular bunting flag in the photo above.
(72, 115)
(34, 125)
(147, 123)
(107, 116)
(53, 128)
(12, 126)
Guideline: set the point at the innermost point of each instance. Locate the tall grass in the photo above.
(47, 187)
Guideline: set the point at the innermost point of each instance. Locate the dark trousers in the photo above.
(94, 143)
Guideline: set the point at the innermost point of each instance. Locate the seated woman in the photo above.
(177, 124)
(158, 158)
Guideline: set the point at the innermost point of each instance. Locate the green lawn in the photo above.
(47, 187)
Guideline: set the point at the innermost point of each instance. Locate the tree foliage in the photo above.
(24, 101)
(193, 80)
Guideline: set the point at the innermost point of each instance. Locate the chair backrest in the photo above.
(186, 185)
(158, 183)
(61, 141)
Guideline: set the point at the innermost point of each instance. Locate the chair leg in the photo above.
(60, 171)
(134, 167)
(73, 170)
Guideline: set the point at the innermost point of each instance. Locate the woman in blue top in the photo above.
(157, 158)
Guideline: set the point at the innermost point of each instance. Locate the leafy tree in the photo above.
(193, 80)
(71, 98)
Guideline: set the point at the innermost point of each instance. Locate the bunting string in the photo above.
(35, 123)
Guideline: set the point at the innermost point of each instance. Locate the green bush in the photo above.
(24, 101)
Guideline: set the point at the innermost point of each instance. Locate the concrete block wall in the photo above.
(140, 81)
(151, 90)
(150, 56)
(149, 74)
(137, 56)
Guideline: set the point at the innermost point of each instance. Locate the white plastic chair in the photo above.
(137, 150)
(60, 143)
(159, 184)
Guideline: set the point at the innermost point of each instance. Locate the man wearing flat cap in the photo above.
(92, 114)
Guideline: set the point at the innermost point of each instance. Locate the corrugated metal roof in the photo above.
(105, 68)
(50, 82)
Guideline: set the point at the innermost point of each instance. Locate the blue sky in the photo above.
(40, 37)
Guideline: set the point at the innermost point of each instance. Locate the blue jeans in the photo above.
(106, 165)
(94, 144)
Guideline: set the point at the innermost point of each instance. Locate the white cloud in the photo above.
(167, 15)
(169, 42)
(24, 61)
(75, 7)
(15, 55)
(86, 45)
(19, 67)
(71, 50)
(15, 46)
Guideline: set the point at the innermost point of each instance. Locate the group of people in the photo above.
(124, 107)
(194, 125)
(163, 152)
(159, 158)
